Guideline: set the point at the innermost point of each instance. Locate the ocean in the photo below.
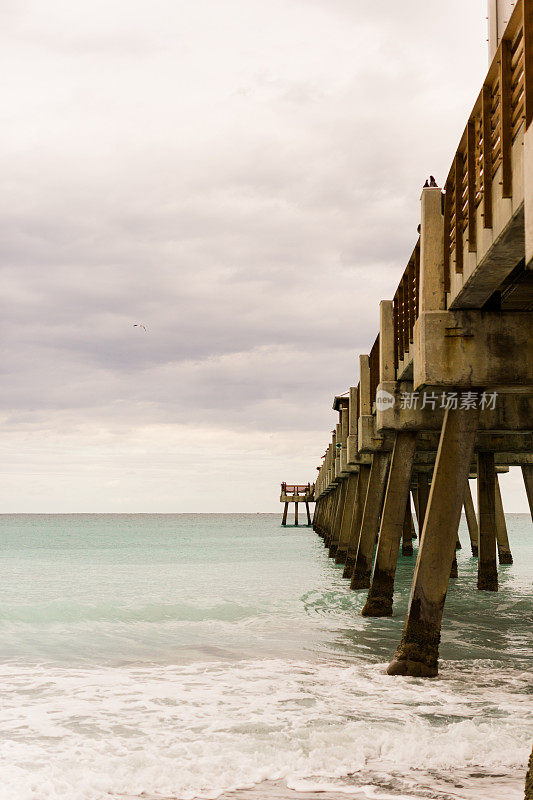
(205, 656)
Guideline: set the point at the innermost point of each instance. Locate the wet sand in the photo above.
(495, 787)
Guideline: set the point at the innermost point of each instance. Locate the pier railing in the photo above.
(296, 488)
(504, 104)
(405, 306)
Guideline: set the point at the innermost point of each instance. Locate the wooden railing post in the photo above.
(506, 126)
(487, 156)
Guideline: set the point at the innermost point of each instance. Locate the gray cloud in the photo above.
(242, 177)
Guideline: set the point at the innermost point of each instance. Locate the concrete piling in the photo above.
(487, 576)
(422, 495)
(471, 520)
(347, 516)
(418, 651)
(408, 530)
(357, 517)
(379, 601)
(370, 521)
(527, 474)
(332, 505)
(454, 572)
(502, 538)
(339, 511)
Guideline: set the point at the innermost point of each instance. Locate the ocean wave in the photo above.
(202, 730)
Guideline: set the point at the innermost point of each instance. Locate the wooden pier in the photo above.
(446, 391)
(296, 493)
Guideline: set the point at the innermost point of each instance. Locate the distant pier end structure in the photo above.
(445, 393)
(296, 493)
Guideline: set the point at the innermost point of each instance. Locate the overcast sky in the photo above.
(244, 178)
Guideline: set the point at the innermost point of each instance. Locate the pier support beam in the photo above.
(422, 496)
(285, 509)
(527, 473)
(355, 530)
(502, 537)
(308, 514)
(487, 574)
(370, 521)
(528, 789)
(316, 515)
(296, 514)
(418, 651)
(332, 509)
(334, 542)
(471, 521)
(318, 520)
(347, 516)
(454, 571)
(396, 514)
(327, 517)
(408, 530)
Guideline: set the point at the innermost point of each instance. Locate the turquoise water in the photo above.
(185, 656)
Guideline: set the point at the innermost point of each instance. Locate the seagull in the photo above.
(432, 181)
(140, 325)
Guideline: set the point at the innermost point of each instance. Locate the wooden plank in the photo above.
(527, 22)
(487, 159)
(447, 214)
(458, 213)
(471, 184)
(518, 118)
(506, 129)
(517, 90)
(516, 56)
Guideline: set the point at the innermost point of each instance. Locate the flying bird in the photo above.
(140, 325)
